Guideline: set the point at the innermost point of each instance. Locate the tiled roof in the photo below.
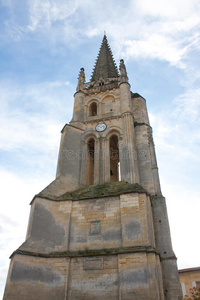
(196, 269)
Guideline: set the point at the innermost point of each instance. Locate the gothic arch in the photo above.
(90, 134)
(92, 100)
(109, 97)
(90, 146)
(113, 130)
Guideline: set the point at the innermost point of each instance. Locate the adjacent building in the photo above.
(189, 278)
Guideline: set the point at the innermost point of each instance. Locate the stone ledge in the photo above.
(98, 191)
(141, 124)
(136, 95)
(85, 253)
(168, 258)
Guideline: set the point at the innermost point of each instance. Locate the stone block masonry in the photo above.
(100, 230)
(88, 249)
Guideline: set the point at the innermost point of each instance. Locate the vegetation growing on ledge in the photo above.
(87, 252)
(99, 191)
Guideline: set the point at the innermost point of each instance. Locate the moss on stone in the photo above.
(99, 191)
(87, 252)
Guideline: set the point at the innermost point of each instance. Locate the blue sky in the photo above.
(43, 45)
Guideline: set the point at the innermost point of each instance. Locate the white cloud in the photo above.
(165, 30)
(171, 9)
(14, 30)
(183, 210)
(46, 12)
(16, 194)
(29, 115)
(155, 46)
(177, 136)
(31, 118)
(188, 106)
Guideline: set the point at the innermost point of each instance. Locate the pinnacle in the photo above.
(105, 66)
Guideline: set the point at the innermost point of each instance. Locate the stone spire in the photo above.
(81, 79)
(123, 73)
(105, 66)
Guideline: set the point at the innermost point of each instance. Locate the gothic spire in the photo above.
(81, 79)
(105, 66)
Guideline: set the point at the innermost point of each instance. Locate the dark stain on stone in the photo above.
(132, 230)
(100, 288)
(81, 239)
(112, 235)
(45, 229)
(134, 277)
(22, 272)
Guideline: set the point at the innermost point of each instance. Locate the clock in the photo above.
(101, 127)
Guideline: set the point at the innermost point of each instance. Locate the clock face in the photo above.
(101, 127)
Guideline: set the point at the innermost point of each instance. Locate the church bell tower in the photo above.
(100, 230)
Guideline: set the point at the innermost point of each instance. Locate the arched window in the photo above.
(114, 159)
(93, 109)
(90, 162)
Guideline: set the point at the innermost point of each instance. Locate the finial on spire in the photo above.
(81, 79)
(123, 73)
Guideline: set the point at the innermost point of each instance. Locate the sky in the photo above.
(43, 45)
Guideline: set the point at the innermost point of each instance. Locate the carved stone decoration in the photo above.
(81, 79)
(123, 73)
(95, 227)
(93, 264)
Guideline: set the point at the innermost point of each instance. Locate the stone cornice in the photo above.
(141, 124)
(85, 253)
(108, 189)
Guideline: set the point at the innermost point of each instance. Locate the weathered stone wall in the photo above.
(171, 282)
(124, 276)
(114, 247)
(110, 222)
(125, 115)
(94, 278)
(144, 158)
(140, 277)
(140, 109)
(68, 161)
(48, 228)
(37, 278)
(91, 249)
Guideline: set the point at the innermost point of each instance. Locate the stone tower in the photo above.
(100, 229)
